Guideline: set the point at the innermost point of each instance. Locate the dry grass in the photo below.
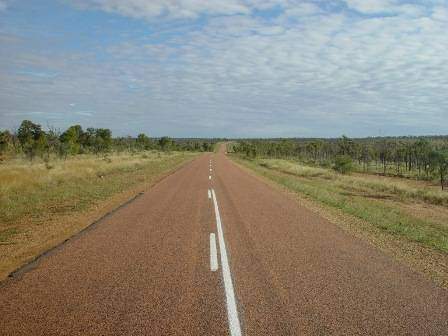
(401, 189)
(26, 188)
(42, 204)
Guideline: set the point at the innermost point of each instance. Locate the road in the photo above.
(270, 267)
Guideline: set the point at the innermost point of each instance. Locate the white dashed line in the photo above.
(209, 194)
(213, 253)
(232, 313)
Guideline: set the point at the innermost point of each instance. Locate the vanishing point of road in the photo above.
(213, 250)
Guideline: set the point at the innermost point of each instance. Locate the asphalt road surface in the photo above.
(212, 250)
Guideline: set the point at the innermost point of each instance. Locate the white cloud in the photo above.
(440, 14)
(191, 9)
(371, 6)
(326, 73)
(388, 7)
(302, 9)
(174, 9)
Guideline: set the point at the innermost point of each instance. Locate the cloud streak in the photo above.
(176, 9)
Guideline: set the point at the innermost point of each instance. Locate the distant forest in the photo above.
(32, 141)
(423, 157)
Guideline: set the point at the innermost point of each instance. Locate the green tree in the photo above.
(385, 153)
(398, 154)
(440, 159)
(346, 146)
(166, 143)
(32, 138)
(143, 141)
(365, 156)
(5, 142)
(71, 138)
(103, 140)
(422, 150)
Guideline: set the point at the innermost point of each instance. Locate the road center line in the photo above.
(213, 253)
(232, 313)
(209, 194)
(209, 177)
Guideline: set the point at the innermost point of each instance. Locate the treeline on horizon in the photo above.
(419, 157)
(32, 141)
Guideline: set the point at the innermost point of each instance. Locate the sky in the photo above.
(227, 68)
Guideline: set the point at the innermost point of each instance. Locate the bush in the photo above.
(343, 164)
(325, 164)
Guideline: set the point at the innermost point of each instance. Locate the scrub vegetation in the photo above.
(423, 158)
(31, 141)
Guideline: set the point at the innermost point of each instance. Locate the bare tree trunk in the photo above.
(442, 179)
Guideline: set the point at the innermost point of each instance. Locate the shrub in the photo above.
(343, 164)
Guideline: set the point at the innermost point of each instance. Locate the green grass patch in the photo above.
(7, 234)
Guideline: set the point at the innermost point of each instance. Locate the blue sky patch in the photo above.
(234, 68)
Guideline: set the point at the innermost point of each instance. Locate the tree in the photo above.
(440, 158)
(384, 153)
(398, 155)
(103, 139)
(346, 146)
(54, 144)
(32, 138)
(88, 139)
(422, 150)
(71, 138)
(314, 148)
(28, 132)
(5, 141)
(365, 156)
(166, 143)
(143, 141)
